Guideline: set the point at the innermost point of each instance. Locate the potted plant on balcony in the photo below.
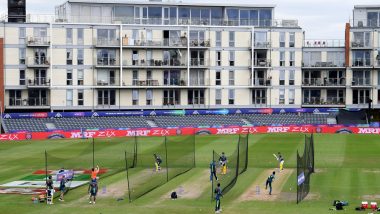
(184, 39)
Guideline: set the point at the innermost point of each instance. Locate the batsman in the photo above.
(280, 160)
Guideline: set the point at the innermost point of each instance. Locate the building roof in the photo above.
(173, 3)
(372, 6)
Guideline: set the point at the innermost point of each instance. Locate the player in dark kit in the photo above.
(218, 195)
(49, 190)
(269, 182)
(213, 170)
(62, 186)
(93, 191)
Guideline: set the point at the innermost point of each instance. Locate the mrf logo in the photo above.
(138, 133)
(227, 131)
(369, 131)
(278, 129)
(82, 134)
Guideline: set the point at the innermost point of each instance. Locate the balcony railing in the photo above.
(260, 82)
(361, 82)
(107, 62)
(107, 42)
(38, 61)
(156, 63)
(43, 81)
(361, 44)
(28, 102)
(261, 62)
(38, 41)
(149, 82)
(110, 81)
(324, 101)
(173, 42)
(337, 63)
(262, 45)
(324, 82)
(199, 43)
(318, 43)
(364, 23)
(175, 82)
(360, 62)
(197, 62)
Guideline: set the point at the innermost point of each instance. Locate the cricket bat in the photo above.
(275, 156)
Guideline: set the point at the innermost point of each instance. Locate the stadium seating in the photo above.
(46, 124)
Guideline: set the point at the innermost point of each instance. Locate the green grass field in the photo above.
(347, 168)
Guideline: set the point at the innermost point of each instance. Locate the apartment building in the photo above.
(154, 55)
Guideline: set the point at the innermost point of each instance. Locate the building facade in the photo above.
(154, 55)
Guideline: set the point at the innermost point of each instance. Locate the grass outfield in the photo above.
(347, 169)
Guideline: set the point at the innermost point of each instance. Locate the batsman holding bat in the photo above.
(280, 160)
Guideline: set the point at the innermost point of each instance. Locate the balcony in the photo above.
(326, 101)
(107, 62)
(149, 82)
(199, 43)
(366, 82)
(324, 82)
(175, 63)
(261, 45)
(156, 43)
(330, 64)
(41, 82)
(361, 45)
(38, 42)
(361, 62)
(107, 82)
(27, 103)
(360, 23)
(39, 62)
(324, 43)
(198, 62)
(261, 62)
(260, 82)
(102, 42)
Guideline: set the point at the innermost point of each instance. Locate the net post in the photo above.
(126, 167)
(212, 179)
(93, 153)
(46, 171)
(166, 160)
(194, 138)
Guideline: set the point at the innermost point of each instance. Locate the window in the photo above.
(40, 56)
(218, 96)
(218, 40)
(360, 96)
(149, 76)
(69, 97)
(259, 96)
(149, 97)
(22, 53)
(265, 17)
(80, 76)
(80, 97)
(361, 58)
(312, 58)
(291, 96)
(361, 39)
(282, 58)
(282, 39)
(233, 17)
(69, 36)
(69, 56)
(218, 58)
(232, 58)
(106, 97)
(372, 19)
(80, 36)
(21, 35)
(69, 77)
(282, 77)
(22, 77)
(196, 97)
(291, 77)
(361, 77)
(260, 39)
(231, 77)
(232, 38)
(335, 58)
(80, 57)
(244, 17)
(218, 78)
(291, 58)
(197, 77)
(292, 39)
(231, 96)
(106, 37)
(15, 98)
(282, 96)
(135, 77)
(171, 97)
(135, 97)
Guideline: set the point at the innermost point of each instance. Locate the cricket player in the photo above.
(94, 173)
(270, 179)
(62, 185)
(49, 190)
(223, 163)
(218, 195)
(213, 170)
(93, 191)
(157, 162)
(280, 161)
